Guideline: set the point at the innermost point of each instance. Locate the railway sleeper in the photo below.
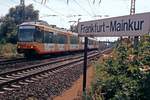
(15, 86)
(23, 83)
(26, 74)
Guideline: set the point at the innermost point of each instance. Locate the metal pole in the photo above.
(136, 42)
(22, 4)
(85, 63)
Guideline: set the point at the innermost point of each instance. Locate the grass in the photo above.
(8, 50)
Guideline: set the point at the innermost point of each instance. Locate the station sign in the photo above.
(131, 25)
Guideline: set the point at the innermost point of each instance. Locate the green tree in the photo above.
(10, 22)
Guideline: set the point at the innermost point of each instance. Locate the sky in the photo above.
(63, 14)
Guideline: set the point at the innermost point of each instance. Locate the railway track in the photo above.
(20, 62)
(10, 64)
(45, 85)
(2, 58)
(30, 73)
(11, 61)
(15, 64)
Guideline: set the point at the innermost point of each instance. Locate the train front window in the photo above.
(26, 35)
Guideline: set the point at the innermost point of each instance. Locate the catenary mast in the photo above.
(22, 4)
(132, 9)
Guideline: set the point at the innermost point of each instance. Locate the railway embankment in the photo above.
(41, 88)
(75, 91)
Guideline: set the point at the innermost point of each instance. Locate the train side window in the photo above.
(55, 38)
(48, 37)
(62, 39)
(71, 40)
(74, 40)
(90, 42)
(38, 36)
(65, 39)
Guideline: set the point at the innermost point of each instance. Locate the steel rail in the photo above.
(17, 75)
(37, 71)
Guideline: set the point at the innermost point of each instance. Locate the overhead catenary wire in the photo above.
(91, 7)
(90, 4)
(44, 1)
(67, 1)
(57, 14)
(93, 1)
(8, 5)
(46, 6)
(74, 15)
(49, 15)
(71, 8)
(77, 14)
(5, 5)
(13, 1)
(82, 8)
(98, 10)
(98, 2)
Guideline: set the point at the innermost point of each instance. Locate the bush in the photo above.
(119, 77)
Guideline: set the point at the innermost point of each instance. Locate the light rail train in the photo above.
(39, 38)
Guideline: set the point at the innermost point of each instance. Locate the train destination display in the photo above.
(132, 25)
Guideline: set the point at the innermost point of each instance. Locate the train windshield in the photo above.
(26, 34)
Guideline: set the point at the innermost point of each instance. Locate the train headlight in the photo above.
(18, 46)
